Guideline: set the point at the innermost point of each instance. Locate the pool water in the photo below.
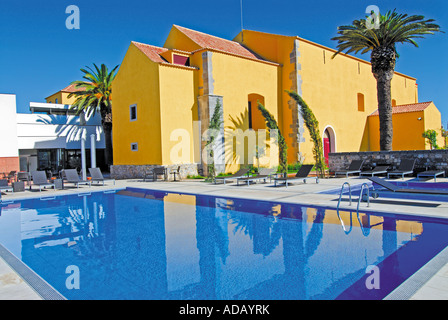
(143, 244)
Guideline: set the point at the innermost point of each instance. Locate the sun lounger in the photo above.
(431, 173)
(394, 188)
(264, 174)
(374, 171)
(97, 176)
(354, 167)
(40, 180)
(71, 176)
(4, 186)
(239, 174)
(406, 167)
(302, 174)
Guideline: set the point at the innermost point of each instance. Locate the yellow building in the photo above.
(61, 97)
(165, 96)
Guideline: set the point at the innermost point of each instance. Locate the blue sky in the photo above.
(39, 55)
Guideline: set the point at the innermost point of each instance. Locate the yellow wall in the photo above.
(237, 79)
(137, 82)
(330, 87)
(62, 98)
(178, 108)
(178, 40)
(277, 49)
(433, 120)
(407, 131)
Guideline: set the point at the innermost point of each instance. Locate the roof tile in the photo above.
(413, 107)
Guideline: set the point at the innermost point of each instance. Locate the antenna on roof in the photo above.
(242, 29)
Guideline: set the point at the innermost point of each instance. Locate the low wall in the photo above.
(426, 159)
(139, 171)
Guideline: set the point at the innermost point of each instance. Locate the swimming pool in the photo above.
(145, 244)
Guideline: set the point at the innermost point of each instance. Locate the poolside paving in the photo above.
(12, 286)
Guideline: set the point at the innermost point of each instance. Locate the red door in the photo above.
(326, 149)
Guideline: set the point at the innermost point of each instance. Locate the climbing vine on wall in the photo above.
(214, 126)
(313, 127)
(272, 125)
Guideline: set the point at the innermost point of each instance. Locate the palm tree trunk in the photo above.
(385, 110)
(107, 128)
(383, 65)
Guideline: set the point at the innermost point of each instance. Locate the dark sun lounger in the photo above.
(394, 188)
(354, 167)
(302, 174)
(406, 167)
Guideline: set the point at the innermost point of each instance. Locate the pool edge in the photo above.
(415, 282)
(32, 279)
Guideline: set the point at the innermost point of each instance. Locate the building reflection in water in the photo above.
(155, 245)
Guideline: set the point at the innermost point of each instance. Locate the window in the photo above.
(360, 102)
(56, 101)
(133, 112)
(134, 146)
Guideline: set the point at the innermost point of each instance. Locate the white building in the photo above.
(49, 138)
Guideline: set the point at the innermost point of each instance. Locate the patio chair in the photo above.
(24, 176)
(40, 180)
(264, 174)
(374, 171)
(394, 188)
(97, 176)
(11, 176)
(239, 174)
(431, 173)
(406, 167)
(4, 186)
(354, 167)
(302, 174)
(175, 172)
(154, 173)
(71, 176)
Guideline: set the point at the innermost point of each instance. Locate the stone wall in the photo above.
(139, 171)
(426, 159)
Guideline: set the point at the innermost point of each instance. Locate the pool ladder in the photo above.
(361, 193)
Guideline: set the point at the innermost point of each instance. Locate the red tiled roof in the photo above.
(207, 41)
(413, 107)
(71, 88)
(152, 52)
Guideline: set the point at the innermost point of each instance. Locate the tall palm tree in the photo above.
(381, 40)
(95, 94)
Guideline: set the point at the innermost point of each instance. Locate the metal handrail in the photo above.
(360, 196)
(349, 193)
(342, 222)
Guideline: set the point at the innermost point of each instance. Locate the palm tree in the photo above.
(96, 95)
(381, 40)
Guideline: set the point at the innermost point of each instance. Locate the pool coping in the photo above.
(34, 281)
(404, 291)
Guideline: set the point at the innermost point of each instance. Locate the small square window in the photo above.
(134, 146)
(133, 112)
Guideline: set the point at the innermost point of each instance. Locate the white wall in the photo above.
(8, 126)
(41, 131)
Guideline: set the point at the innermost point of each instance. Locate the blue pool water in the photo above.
(142, 244)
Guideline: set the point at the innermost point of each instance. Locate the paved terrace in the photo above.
(430, 282)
